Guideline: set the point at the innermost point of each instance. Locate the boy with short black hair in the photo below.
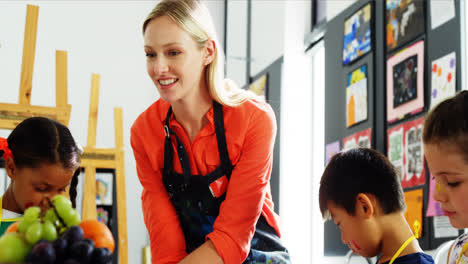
(361, 192)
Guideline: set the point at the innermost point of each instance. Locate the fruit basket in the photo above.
(56, 234)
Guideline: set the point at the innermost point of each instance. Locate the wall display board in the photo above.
(410, 67)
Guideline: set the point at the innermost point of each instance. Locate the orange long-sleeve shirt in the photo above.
(250, 134)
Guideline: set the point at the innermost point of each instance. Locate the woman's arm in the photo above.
(167, 239)
(235, 226)
(206, 253)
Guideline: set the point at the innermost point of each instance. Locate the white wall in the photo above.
(101, 37)
(268, 31)
(337, 6)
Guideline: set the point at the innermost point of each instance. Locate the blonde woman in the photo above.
(204, 150)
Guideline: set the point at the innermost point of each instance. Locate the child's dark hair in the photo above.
(360, 170)
(447, 123)
(39, 140)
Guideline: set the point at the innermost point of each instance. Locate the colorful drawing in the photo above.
(357, 35)
(395, 151)
(361, 139)
(356, 96)
(443, 78)
(405, 21)
(259, 86)
(406, 152)
(414, 210)
(405, 82)
(104, 184)
(102, 215)
(330, 150)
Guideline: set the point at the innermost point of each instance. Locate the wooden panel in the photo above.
(101, 164)
(12, 114)
(29, 47)
(121, 208)
(118, 127)
(89, 194)
(61, 78)
(93, 110)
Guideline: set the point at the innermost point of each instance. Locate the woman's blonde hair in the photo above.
(194, 18)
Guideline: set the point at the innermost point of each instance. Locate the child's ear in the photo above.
(10, 168)
(364, 205)
(210, 52)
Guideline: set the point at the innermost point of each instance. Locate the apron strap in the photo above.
(183, 157)
(221, 139)
(169, 153)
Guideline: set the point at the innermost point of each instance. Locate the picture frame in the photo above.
(356, 96)
(405, 21)
(104, 188)
(406, 152)
(357, 38)
(405, 82)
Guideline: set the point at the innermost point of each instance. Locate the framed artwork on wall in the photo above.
(331, 149)
(404, 22)
(443, 81)
(356, 96)
(357, 39)
(361, 139)
(405, 82)
(406, 152)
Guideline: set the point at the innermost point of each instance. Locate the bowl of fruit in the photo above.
(56, 234)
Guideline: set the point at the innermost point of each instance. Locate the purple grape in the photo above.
(81, 251)
(73, 234)
(89, 241)
(60, 246)
(42, 253)
(101, 256)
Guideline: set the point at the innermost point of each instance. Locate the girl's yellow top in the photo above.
(5, 223)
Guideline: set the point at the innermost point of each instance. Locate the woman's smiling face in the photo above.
(175, 62)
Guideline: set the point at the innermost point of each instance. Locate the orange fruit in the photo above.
(99, 233)
(12, 228)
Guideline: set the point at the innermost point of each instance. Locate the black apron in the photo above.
(196, 206)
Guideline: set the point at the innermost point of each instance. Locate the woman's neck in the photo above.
(9, 202)
(397, 232)
(191, 114)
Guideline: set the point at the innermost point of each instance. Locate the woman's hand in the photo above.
(206, 253)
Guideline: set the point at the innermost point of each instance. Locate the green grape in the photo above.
(62, 201)
(71, 217)
(23, 226)
(13, 249)
(31, 214)
(34, 232)
(52, 217)
(48, 231)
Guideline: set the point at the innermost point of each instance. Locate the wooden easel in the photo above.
(98, 158)
(12, 114)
